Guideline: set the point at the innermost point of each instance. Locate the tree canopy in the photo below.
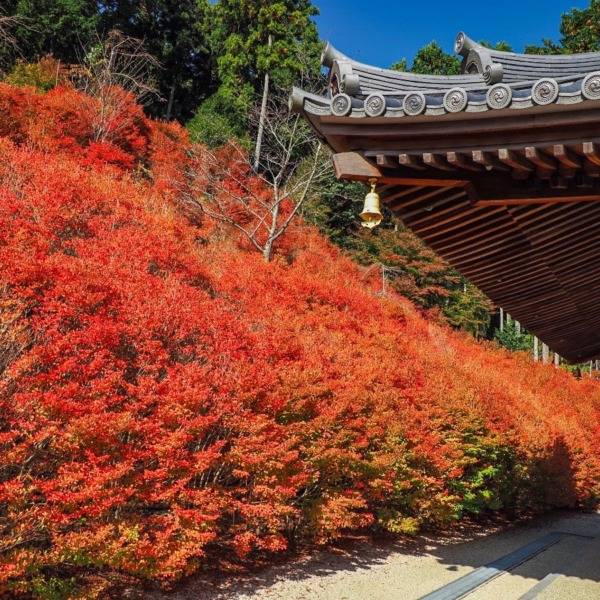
(580, 32)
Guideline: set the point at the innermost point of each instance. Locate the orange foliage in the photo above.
(166, 393)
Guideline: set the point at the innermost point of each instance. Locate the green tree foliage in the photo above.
(580, 29)
(43, 74)
(174, 33)
(500, 46)
(241, 30)
(513, 337)
(216, 123)
(580, 32)
(431, 60)
(58, 28)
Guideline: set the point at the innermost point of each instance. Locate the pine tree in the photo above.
(580, 31)
(175, 34)
(241, 30)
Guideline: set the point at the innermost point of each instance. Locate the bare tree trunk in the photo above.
(263, 114)
(556, 360)
(170, 104)
(545, 354)
(501, 319)
(536, 348)
(289, 179)
(517, 327)
(272, 227)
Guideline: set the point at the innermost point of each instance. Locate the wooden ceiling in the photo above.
(535, 254)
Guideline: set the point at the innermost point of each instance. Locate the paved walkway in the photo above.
(409, 570)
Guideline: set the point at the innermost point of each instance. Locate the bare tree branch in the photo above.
(7, 39)
(261, 204)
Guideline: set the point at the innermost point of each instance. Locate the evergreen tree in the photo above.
(174, 33)
(251, 38)
(512, 337)
(60, 28)
(431, 60)
(580, 32)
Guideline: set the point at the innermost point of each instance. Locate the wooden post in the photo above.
(501, 319)
(517, 327)
(536, 348)
(556, 360)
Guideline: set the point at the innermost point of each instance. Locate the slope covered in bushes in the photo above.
(167, 395)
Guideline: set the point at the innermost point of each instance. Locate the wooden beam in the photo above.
(393, 196)
(488, 160)
(433, 216)
(437, 161)
(389, 162)
(592, 152)
(462, 161)
(515, 161)
(558, 182)
(566, 156)
(464, 222)
(353, 166)
(541, 159)
(584, 180)
(411, 162)
(395, 202)
(546, 199)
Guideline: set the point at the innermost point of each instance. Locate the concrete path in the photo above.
(411, 569)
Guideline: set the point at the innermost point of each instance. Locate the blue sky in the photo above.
(380, 32)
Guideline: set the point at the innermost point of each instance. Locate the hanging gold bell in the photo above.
(371, 214)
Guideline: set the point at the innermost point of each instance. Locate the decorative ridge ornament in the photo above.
(463, 44)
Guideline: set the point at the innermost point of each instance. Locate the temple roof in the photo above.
(490, 80)
(497, 169)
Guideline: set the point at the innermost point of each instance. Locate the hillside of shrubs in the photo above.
(168, 397)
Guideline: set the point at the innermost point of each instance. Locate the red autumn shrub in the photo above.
(167, 394)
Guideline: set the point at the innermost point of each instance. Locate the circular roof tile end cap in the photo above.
(415, 104)
(463, 44)
(545, 91)
(590, 86)
(456, 100)
(499, 96)
(375, 105)
(341, 105)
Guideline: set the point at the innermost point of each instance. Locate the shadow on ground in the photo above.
(417, 566)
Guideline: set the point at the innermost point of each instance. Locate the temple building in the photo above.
(497, 169)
